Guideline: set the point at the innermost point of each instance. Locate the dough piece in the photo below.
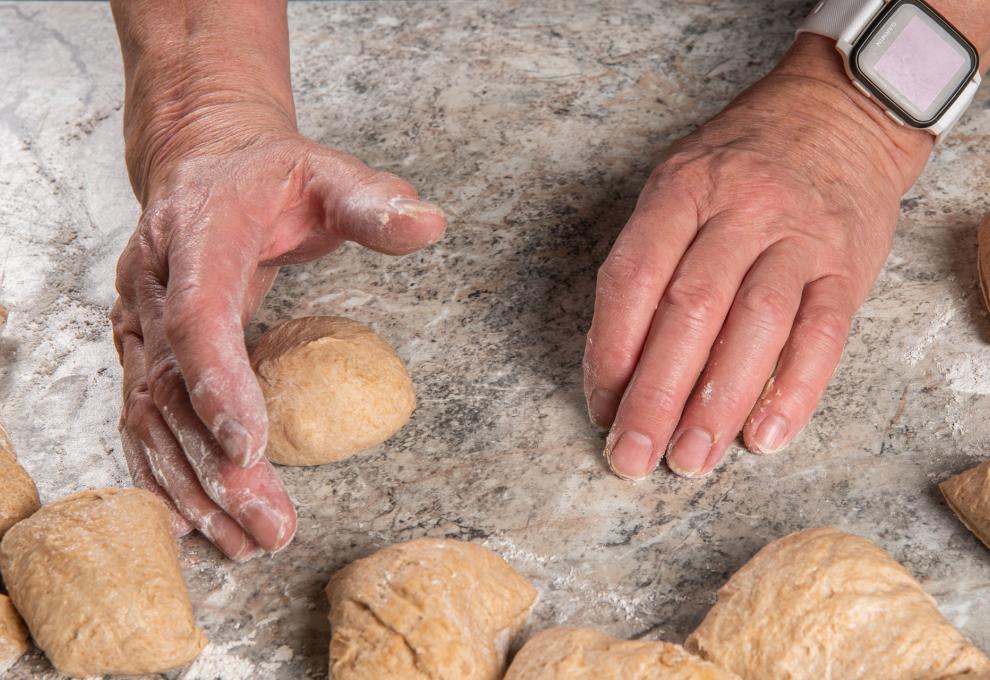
(825, 605)
(13, 635)
(582, 654)
(428, 609)
(18, 494)
(96, 577)
(332, 387)
(968, 494)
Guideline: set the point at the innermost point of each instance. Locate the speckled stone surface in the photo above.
(534, 124)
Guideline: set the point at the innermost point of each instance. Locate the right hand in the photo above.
(226, 201)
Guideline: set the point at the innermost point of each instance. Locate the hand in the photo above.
(725, 302)
(230, 199)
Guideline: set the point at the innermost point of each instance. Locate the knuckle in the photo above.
(165, 381)
(623, 270)
(765, 302)
(137, 403)
(610, 357)
(734, 403)
(655, 398)
(826, 327)
(803, 393)
(695, 301)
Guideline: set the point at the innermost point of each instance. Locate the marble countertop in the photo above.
(534, 124)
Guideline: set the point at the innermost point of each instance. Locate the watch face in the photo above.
(913, 61)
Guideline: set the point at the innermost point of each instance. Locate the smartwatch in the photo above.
(903, 55)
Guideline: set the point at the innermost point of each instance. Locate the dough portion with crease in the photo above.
(968, 494)
(822, 604)
(96, 577)
(429, 609)
(13, 635)
(332, 388)
(18, 494)
(583, 654)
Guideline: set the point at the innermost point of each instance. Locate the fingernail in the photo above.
(264, 523)
(602, 406)
(248, 552)
(771, 435)
(688, 452)
(237, 443)
(630, 456)
(412, 206)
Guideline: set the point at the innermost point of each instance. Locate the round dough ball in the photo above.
(18, 494)
(13, 635)
(428, 609)
(96, 577)
(582, 654)
(822, 603)
(332, 388)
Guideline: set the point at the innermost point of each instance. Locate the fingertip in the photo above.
(689, 452)
(602, 406)
(181, 527)
(630, 455)
(391, 223)
(271, 527)
(411, 225)
(768, 435)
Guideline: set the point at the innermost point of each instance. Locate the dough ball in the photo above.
(96, 577)
(332, 387)
(18, 494)
(426, 610)
(968, 494)
(582, 654)
(825, 604)
(13, 635)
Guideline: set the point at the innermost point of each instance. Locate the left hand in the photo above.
(725, 302)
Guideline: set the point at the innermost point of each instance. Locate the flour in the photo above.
(930, 335)
(969, 373)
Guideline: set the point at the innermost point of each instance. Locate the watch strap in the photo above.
(841, 20)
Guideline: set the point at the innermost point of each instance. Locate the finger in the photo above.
(376, 209)
(253, 496)
(741, 360)
(630, 282)
(141, 475)
(157, 464)
(211, 274)
(172, 470)
(806, 364)
(686, 323)
(128, 344)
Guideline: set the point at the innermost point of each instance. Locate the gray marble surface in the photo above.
(534, 124)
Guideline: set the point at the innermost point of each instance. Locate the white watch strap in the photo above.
(841, 20)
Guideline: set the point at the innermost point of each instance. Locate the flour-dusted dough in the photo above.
(582, 654)
(825, 605)
(13, 635)
(18, 494)
(96, 577)
(968, 494)
(332, 387)
(428, 609)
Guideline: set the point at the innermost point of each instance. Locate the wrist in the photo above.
(168, 126)
(903, 151)
(200, 78)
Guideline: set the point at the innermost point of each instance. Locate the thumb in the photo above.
(376, 209)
